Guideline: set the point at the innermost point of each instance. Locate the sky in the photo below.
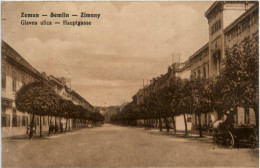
(107, 61)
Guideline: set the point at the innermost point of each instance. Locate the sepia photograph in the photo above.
(129, 84)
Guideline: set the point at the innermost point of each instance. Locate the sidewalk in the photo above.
(37, 135)
(206, 137)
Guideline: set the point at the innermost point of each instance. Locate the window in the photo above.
(5, 120)
(252, 20)
(239, 30)
(23, 80)
(198, 73)
(16, 120)
(4, 77)
(24, 120)
(247, 120)
(215, 27)
(204, 72)
(14, 81)
(229, 37)
(14, 110)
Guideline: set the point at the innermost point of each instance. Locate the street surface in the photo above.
(115, 146)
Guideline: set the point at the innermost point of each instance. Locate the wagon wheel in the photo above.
(230, 142)
(252, 140)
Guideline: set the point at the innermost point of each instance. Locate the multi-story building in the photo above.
(220, 15)
(79, 100)
(245, 26)
(200, 63)
(229, 23)
(16, 72)
(200, 69)
(181, 70)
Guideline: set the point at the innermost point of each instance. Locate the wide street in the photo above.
(115, 146)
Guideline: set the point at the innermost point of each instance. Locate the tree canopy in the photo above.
(37, 98)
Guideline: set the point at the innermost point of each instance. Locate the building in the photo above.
(200, 69)
(229, 22)
(181, 70)
(16, 72)
(245, 26)
(220, 15)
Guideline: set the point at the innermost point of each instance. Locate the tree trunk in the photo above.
(256, 110)
(166, 124)
(174, 125)
(60, 124)
(185, 122)
(55, 125)
(49, 124)
(160, 124)
(66, 125)
(31, 127)
(40, 126)
(200, 125)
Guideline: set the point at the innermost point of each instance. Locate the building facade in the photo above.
(16, 72)
(229, 22)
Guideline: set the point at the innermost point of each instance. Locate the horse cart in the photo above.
(235, 135)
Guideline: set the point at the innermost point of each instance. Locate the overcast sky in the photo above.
(108, 60)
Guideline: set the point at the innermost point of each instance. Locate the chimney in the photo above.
(44, 74)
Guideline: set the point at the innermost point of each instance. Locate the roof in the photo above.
(57, 81)
(179, 67)
(199, 51)
(80, 97)
(216, 3)
(15, 58)
(212, 7)
(239, 19)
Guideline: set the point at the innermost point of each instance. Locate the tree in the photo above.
(196, 98)
(97, 117)
(37, 98)
(66, 109)
(152, 109)
(177, 105)
(163, 103)
(239, 78)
